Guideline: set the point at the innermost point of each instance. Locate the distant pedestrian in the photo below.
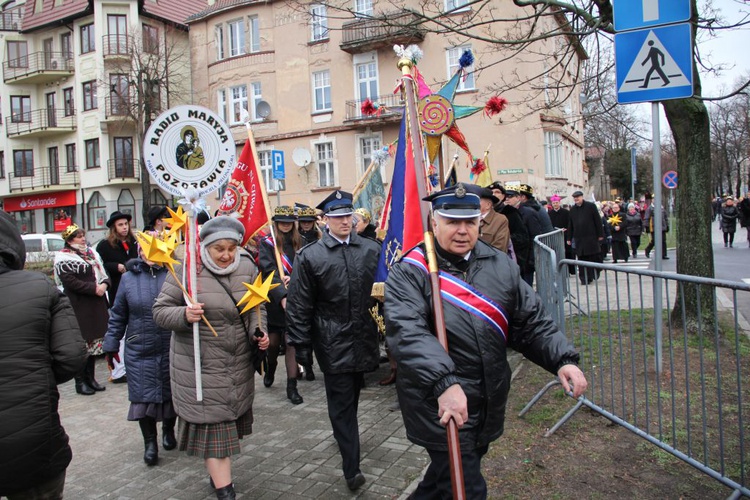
(560, 218)
(40, 348)
(729, 215)
(585, 234)
(650, 228)
(744, 209)
(633, 228)
(619, 235)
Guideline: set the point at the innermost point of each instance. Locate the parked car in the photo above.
(42, 247)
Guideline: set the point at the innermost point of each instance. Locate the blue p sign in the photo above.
(277, 159)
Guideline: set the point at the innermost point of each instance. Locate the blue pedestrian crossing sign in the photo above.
(636, 14)
(669, 179)
(654, 64)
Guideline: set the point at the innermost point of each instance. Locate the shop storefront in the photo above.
(44, 212)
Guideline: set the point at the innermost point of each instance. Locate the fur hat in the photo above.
(223, 227)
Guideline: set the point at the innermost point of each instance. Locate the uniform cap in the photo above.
(283, 213)
(337, 204)
(526, 189)
(456, 202)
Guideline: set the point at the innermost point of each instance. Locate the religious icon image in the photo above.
(189, 152)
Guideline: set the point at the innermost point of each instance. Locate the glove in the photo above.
(111, 357)
(302, 354)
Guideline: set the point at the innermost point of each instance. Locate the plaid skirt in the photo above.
(218, 440)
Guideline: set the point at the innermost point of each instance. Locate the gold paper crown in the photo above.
(283, 210)
(70, 230)
(306, 212)
(364, 213)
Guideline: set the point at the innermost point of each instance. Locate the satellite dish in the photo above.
(301, 157)
(263, 109)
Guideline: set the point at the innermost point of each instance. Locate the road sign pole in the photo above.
(657, 234)
(632, 172)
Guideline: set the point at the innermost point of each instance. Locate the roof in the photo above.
(170, 11)
(219, 6)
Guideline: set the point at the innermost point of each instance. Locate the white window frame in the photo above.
(367, 144)
(365, 81)
(236, 38)
(219, 31)
(453, 54)
(458, 5)
(321, 91)
(553, 154)
(266, 168)
(363, 7)
(221, 103)
(318, 23)
(257, 96)
(254, 28)
(237, 102)
(327, 147)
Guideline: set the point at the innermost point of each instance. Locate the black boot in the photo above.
(90, 380)
(151, 450)
(81, 386)
(269, 376)
(291, 391)
(226, 493)
(168, 440)
(309, 373)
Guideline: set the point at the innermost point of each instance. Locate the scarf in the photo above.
(209, 263)
(76, 259)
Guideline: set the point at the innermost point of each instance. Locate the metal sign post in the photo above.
(658, 236)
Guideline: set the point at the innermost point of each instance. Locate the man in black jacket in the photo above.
(519, 235)
(470, 383)
(327, 310)
(584, 234)
(40, 347)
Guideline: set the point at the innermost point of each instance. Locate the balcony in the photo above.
(391, 109)
(45, 178)
(41, 122)
(116, 46)
(364, 35)
(10, 19)
(39, 67)
(117, 108)
(126, 169)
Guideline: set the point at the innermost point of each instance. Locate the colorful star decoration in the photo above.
(157, 250)
(257, 293)
(615, 220)
(177, 222)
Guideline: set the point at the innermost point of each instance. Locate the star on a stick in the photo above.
(178, 220)
(615, 220)
(157, 250)
(257, 293)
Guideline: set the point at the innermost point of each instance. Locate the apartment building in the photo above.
(81, 81)
(303, 71)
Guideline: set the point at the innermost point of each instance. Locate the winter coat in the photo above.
(79, 278)
(519, 235)
(40, 347)
(536, 218)
(560, 218)
(146, 345)
(621, 234)
(744, 209)
(226, 359)
(327, 307)
(267, 265)
(493, 230)
(729, 218)
(478, 352)
(112, 257)
(633, 224)
(649, 220)
(585, 229)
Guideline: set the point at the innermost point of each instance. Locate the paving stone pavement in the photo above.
(290, 455)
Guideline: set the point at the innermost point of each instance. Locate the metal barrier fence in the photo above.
(549, 249)
(683, 385)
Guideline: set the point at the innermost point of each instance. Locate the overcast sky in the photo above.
(729, 47)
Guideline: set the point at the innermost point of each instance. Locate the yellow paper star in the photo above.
(178, 221)
(157, 250)
(615, 220)
(257, 293)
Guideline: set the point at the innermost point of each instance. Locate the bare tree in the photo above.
(730, 143)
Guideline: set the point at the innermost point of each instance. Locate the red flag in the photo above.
(412, 213)
(245, 194)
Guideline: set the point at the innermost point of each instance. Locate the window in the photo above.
(319, 22)
(257, 97)
(23, 163)
(150, 39)
(68, 104)
(97, 211)
(152, 95)
(89, 95)
(92, 153)
(117, 36)
(254, 34)
(367, 146)
(157, 199)
(54, 165)
(18, 55)
(367, 80)
(126, 202)
(88, 39)
(71, 161)
(2, 164)
(454, 55)
(552, 154)
(324, 156)
(238, 103)
(118, 95)
(456, 4)
(219, 42)
(266, 169)
(221, 103)
(66, 45)
(20, 109)
(322, 90)
(123, 151)
(236, 38)
(363, 7)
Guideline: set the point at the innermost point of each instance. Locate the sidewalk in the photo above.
(291, 453)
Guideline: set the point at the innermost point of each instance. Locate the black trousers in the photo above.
(652, 243)
(587, 274)
(342, 395)
(635, 242)
(436, 484)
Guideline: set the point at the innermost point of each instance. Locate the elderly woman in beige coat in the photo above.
(212, 428)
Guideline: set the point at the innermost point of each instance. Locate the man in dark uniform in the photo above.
(514, 201)
(469, 384)
(539, 221)
(585, 234)
(560, 218)
(327, 310)
(519, 235)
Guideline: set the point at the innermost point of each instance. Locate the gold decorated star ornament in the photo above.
(257, 293)
(157, 250)
(177, 222)
(615, 220)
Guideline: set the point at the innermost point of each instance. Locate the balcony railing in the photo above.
(10, 19)
(124, 168)
(389, 105)
(363, 35)
(44, 177)
(116, 45)
(117, 107)
(39, 67)
(41, 122)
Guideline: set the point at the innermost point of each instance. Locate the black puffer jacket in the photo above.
(328, 300)
(477, 357)
(536, 219)
(729, 217)
(633, 224)
(40, 347)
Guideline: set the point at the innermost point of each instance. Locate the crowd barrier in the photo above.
(684, 384)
